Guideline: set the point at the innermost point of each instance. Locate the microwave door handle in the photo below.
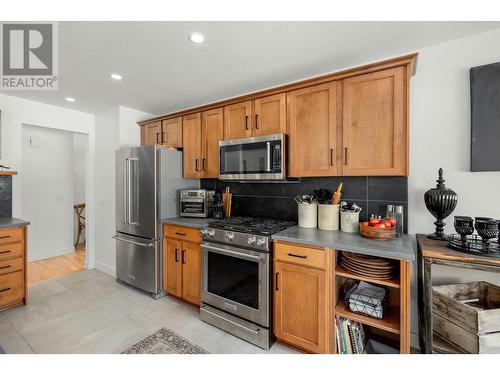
(269, 156)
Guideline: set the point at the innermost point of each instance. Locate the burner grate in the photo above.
(252, 225)
(474, 244)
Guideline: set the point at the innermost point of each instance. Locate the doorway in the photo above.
(55, 164)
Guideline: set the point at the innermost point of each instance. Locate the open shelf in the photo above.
(392, 283)
(389, 323)
(7, 173)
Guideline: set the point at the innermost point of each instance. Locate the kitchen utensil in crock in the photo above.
(337, 194)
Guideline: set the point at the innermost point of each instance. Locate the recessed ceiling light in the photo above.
(197, 38)
(116, 76)
(70, 99)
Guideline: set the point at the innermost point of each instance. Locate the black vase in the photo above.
(441, 202)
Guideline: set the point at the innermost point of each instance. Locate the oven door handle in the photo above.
(233, 253)
(255, 332)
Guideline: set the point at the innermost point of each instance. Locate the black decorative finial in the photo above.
(440, 181)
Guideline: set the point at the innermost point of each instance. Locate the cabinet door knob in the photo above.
(183, 256)
(203, 164)
(331, 157)
(176, 255)
(276, 281)
(246, 122)
(196, 165)
(256, 121)
(345, 155)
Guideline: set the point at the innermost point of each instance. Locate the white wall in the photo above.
(15, 112)
(116, 128)
(47, 191)
(80, 161)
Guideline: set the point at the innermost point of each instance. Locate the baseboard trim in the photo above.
(105, 268)
(50, 253)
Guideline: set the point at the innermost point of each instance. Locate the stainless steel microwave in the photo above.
(253, 158)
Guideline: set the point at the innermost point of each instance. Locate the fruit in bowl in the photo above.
(380, 229)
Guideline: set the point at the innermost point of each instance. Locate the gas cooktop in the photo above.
(251, 225)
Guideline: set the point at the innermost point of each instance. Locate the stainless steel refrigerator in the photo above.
(148, 180)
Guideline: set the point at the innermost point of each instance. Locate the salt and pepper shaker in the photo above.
(399, 214)
(390, 211)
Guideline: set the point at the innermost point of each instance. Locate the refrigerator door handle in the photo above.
(133, 242)
(125, 191)
(132, 192)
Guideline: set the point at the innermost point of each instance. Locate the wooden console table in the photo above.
(437, 252)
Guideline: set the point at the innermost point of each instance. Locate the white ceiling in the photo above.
(164, 72)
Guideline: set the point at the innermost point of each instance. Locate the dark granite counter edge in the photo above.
(13, 222)
(410, 256)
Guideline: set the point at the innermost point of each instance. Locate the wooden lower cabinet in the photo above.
(13, 268)
(302, 295)
(181, 267)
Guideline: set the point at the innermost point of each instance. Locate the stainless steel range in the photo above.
(236, 276)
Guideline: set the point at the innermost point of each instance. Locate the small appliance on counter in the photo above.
(196, 203)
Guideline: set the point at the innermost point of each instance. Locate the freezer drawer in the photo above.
(138, 262)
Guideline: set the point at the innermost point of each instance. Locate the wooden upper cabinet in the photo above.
(269, 115)
(300, 306)
(313, 115)
(238, 120)
(212, 131)
(151, 134)
(375, 134)
(191, 134)
(172, 132)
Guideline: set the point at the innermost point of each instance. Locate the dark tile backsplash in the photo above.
(5, 196)
(275, 200)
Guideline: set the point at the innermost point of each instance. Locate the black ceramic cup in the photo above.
(464, 225)
(487, 228)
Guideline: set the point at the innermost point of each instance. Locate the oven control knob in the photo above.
(261, 242)
(211, 232)
(204, 232)
(230, 236)
(251, 240)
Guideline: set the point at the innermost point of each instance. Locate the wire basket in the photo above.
(363, 304)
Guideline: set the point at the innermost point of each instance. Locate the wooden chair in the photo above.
(81, 221)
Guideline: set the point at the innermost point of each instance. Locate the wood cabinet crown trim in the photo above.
(409, 60)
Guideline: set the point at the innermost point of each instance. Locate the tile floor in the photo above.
(89, 312)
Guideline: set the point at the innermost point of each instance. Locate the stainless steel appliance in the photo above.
(196, 203)
(254, 158)
(236, 276)
(147, 183)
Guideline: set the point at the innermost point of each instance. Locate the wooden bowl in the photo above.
(377, 233)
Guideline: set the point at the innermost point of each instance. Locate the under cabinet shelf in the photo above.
(392, 283)
(389, 323)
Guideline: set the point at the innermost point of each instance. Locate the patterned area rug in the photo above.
(164, 341)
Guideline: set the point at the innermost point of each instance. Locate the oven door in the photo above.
(237, 281)
(254, 158)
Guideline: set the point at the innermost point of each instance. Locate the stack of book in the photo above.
(350, 336)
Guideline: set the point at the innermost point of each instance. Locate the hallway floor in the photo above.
(90, 312)
(51, 268)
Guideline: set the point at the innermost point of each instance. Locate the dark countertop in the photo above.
(12, 222)
(398, 248)
(193, 222)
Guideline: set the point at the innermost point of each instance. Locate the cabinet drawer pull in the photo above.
(256, 121)
(297, 256)
(276, 286)
(5, 252)
(246, 122)
(4, 267)
(176, 255)
(183, 256)
(4, 290)
(180, 234)
(345, 155)
(2, 237)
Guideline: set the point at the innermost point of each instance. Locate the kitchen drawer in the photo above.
(11, 288)
(10, 235)
(11, 265)
(182, 233)
(296, 254)
(8, 251)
